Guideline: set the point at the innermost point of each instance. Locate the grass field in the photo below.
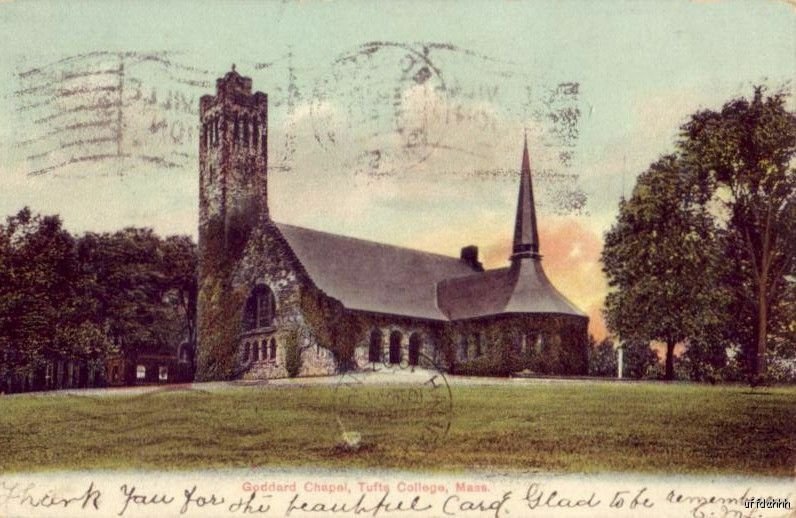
(577, 427)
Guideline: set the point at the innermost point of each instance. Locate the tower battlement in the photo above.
(233, 163)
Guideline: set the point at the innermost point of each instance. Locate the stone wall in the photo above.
(546, 344)
(268, 260)
(426, 331)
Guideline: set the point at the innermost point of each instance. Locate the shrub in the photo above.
(292, 353)
(602, 359)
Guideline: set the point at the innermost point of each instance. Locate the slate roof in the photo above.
(377, 277)
(371, 276)
(382, 278)
(522, 287)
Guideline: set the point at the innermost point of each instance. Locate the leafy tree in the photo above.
(46, 309)
(180, 269)
(744, 155)
(145, 287)
(63, 298)
(662, 260)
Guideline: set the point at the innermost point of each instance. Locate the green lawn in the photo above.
(579, 427)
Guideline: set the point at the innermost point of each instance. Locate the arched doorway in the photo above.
(414, 348)
(374, 348)
(395, 347)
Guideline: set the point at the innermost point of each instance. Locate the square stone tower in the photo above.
(233, 158)
(233, 167)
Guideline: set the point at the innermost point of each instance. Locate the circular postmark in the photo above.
(393, 405)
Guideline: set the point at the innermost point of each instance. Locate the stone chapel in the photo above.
(278, 300)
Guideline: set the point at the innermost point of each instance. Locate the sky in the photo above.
(400, 122)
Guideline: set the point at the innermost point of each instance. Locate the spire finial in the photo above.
(233, 67)
(526, 235)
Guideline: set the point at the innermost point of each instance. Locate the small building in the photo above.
(151, 368)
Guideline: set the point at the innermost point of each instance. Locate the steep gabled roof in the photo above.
(371, 276)
(376, 277)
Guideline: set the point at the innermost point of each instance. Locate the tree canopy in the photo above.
(83, 298)
(661, 258)
(744, 156)
(701, 252)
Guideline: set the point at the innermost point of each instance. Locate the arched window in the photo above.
(263, 350)
(245, 131)
(273, 348)
(463, 348)
(246, 351)
(259, 310)
(477, 339)
(374, 349)
(414, 348)
(395, 347)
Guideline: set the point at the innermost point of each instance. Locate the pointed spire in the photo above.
(526, 236)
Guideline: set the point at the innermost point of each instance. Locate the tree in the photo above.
(145, 287)
(46, 309)
(662, 261)
(744, 155)
(180, 269)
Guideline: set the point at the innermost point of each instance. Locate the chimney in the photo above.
(469, 256)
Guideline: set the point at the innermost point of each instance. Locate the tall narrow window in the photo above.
(374, 348)
(414, 348)
(260, 308)
(395, 347)
(273, 349)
